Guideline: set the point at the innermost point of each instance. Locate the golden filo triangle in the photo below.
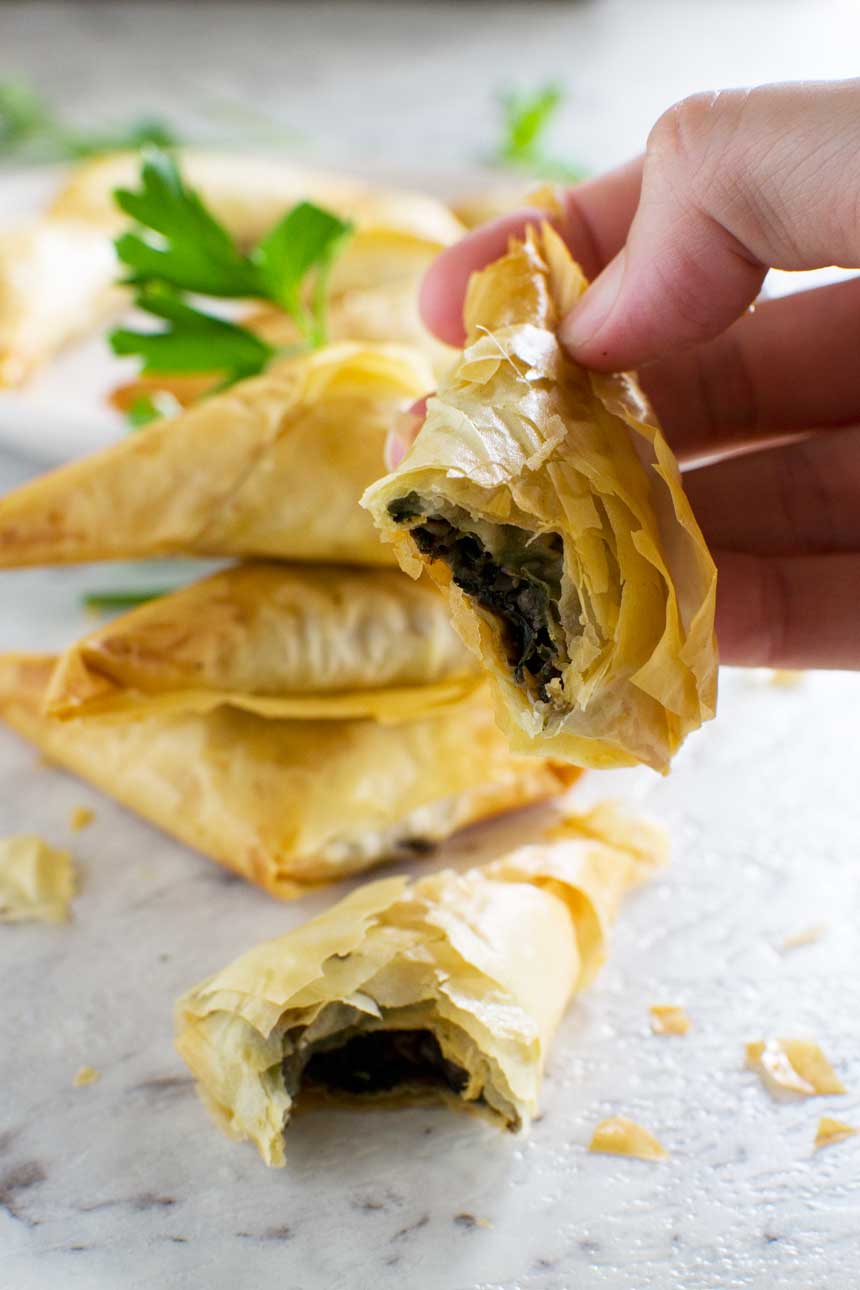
(273, 466)
(307, 641)
(288, 804)
(544, 500)
(59, 272)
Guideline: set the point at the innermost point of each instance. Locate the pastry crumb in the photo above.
(831, 1131)
(794, 1065)
(37, 883)
(469, 1221)
(785, 679)
(619, 1136)
(81, 818)
(86, 1075)
(805, 936)
(669, 1019)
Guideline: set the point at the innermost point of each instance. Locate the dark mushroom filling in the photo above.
(377, 1061)
(521, 588)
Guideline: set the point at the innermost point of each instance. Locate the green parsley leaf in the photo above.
(23, 115)
(145, 132)
(194, 341)
(142, 412)
(147, 408)
(179, 246)
(192, 251)
(109, 600)
(29, 128)
(527, 116)
(307, 238)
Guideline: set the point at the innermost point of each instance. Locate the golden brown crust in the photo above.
(521, 436)
(281, 640)
(484, 961)
(274, 466)
(288, 804)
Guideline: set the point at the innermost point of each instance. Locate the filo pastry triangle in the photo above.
(544, 499)
(273, 466)
(450, 988)
(281, 640)
(59, 273)
(287, 803)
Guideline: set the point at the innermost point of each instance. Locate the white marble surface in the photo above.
(124, 1183)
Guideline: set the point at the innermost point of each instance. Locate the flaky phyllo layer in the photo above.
(305, 641)
(288, 803)
(544, 498)
(273, 466)
(59, 272)
(448, 988)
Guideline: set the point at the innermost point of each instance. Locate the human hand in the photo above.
(731, 184)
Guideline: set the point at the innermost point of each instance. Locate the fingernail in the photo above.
(590, 313)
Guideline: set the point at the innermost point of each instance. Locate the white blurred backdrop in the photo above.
(412, 86)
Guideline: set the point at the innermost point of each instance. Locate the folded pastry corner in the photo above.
(396, 230)
(59, 273)
(46, 269)
(545, 500)
(288, 804)
(449, 988)
(273, 466)
(280, 640)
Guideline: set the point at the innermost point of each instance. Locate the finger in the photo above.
(790, 366)
(800, 499)
(792, 612)
(403, 432)
(733, 183)
(596, 217)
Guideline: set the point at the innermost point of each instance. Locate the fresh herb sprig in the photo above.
(31, 131)
(527, 116)
(179, 247)
(107, 601)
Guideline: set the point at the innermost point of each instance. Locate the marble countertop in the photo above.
(124, 1183)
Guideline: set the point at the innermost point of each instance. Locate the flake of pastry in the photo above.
(37, 882)
(668, 1019)
(618, 1136)
(795, 1065)
(86, 1075)
(831, 1131)
(81, 818)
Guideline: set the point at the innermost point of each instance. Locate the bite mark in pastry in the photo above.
(450, 988)
(544, 499)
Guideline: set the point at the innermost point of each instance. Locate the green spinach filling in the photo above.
(520, 585)
(378, 1060)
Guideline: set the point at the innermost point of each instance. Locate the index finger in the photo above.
(594, 222)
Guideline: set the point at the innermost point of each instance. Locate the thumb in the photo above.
(733, 184)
